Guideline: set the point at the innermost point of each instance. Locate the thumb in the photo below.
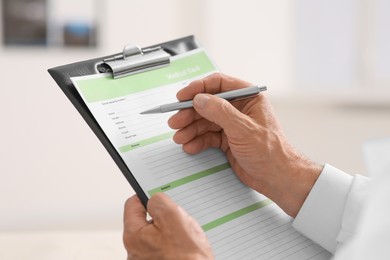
(219, 111)
(167, 214)
(134, 214)
(162, 209)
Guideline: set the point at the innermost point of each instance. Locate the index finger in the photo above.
(212, 84)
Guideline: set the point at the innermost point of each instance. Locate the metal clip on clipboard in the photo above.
(134, 60)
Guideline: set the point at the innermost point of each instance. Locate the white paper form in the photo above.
(203, 184)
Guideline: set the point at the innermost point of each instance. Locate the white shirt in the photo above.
(347, 216)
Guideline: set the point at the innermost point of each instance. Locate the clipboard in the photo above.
(218, 200)
(131, 60)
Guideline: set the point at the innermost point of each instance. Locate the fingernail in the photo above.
(200, 100)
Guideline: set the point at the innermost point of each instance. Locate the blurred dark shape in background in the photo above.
(49, 23)
(24, 22)
(79, 34)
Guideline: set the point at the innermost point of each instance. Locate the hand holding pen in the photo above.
(251, 137)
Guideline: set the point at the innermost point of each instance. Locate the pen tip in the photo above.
(151, 111)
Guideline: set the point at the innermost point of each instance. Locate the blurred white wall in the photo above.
(54, 173)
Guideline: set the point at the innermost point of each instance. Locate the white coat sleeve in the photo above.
(329, 213)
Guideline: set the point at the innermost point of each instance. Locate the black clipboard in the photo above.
(132, 60)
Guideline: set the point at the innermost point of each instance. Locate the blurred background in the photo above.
(326, 64)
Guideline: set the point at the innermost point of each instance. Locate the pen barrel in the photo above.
(240, 93)
(229, 95)
(176, 106)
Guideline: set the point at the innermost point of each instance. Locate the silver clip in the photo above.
(135, 60)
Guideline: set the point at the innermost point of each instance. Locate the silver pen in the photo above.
(229, 95)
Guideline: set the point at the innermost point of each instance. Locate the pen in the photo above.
(229, 95)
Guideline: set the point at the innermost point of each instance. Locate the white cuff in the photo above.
(321, 214)
(353, 209)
